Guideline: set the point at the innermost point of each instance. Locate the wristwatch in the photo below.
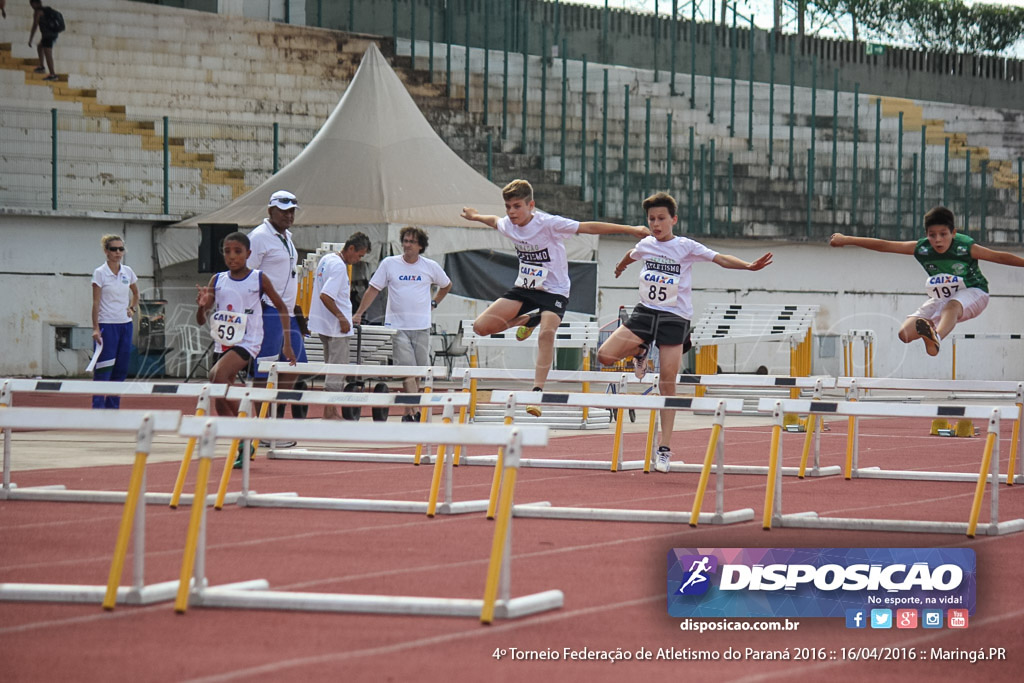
(433, 303)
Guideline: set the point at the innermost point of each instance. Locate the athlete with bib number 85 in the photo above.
(957, 291)
(663, 315)
(236, 324)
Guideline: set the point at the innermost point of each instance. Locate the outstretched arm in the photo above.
(599, 228)
(1004, 257)
(471, 214)
(887, 246)
(733, 263)
(626, 260)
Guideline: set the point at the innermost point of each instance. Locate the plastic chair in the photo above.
(451, 348)
(191, 343)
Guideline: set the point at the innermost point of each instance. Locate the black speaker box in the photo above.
(211, 241)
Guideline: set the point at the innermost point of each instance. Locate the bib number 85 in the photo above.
(657, 293)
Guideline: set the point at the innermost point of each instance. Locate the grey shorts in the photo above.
(412, 347)
(336, 352)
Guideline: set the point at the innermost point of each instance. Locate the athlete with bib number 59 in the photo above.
(957, 291)
(237, 323)
(663, 315)
(541, 290)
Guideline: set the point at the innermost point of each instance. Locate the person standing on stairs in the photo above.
(50, 23)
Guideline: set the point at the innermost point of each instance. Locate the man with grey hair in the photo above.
(330, 312)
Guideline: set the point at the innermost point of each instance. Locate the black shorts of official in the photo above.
(242, 353)
(534, 299)
(662, 327)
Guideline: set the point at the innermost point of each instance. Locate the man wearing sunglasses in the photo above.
(274, 253)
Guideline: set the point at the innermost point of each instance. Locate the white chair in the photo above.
(190, 342)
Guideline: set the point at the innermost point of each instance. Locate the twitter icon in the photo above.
(881, 618)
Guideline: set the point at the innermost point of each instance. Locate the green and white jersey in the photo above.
(955, 261)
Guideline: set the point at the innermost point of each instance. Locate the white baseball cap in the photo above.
(284, 200)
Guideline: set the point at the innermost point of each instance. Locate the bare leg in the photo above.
(545, 347)
(225, 371)
(670, 358)
(950, 316)
(498, 317)
(411, 386)
(622, 343)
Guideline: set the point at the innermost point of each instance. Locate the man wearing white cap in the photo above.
(274, 253)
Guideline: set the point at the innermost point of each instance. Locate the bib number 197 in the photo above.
(943, 286)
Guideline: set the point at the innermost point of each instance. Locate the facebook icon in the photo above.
(856, 618)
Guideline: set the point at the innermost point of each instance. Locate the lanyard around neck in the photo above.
(284, 241)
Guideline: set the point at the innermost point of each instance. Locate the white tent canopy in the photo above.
(375, 165)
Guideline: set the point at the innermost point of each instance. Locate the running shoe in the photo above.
(534, 409)
(926, 328)
(241, 451)
(663, 458)
(640, 361)
(280, 444)
(524, 331)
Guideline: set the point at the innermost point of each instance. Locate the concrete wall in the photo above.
(46, 263)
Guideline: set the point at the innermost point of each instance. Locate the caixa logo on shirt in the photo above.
(816, 582)
(411, 278)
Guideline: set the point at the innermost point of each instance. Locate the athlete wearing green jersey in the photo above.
(957, 291)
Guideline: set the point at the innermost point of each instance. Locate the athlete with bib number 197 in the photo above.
(541, 291)
(957, 291)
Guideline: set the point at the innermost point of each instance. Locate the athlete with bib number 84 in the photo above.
(957, 291)
(663, 315)
(237, 323)
(541, 291)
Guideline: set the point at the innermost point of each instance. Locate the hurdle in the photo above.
(993, 335)
(144, 424)
(496, 602)
(854, 387)
(335, 432)
(470, 378)
(725, 323)
(714, 454)
(773, 515)
(570, 334)
(58, 492)
(867, 339)
(426, 402)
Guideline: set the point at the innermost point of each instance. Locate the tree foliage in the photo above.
(946, 25)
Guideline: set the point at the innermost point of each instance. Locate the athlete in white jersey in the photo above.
(541, 291)
(665, 309)
(236, 324)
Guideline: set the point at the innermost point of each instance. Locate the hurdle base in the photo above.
(346, 456)
(126, 595)
(61, 494)
(811, 520)
(829, 471)
(375, 604)
(619, 515)
(491, 460)
(274, 500)
(915, 475)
